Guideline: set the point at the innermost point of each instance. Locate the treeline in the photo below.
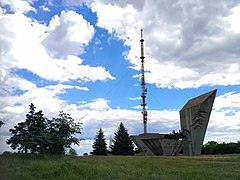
(212, 147)
(40, 135)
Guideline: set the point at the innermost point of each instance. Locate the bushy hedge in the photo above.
(212, 147)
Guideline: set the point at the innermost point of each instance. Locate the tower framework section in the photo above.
(144, 90)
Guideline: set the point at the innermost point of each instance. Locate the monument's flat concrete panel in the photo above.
(194, 117)
(156, 144)
(139, 141)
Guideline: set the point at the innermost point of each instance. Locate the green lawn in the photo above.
(119, 167)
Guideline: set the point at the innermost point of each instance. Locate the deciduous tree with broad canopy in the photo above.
(122, 144)
(62, 131)
(99, 145)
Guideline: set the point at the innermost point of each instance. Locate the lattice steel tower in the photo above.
(144, 90)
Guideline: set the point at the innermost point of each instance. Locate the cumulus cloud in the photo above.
(188, 44)
(18, 5)
(226, 114)
(43, 97)
(67, 34)
(10, 82)
(13, 108)
(26, 44)
(29, 46)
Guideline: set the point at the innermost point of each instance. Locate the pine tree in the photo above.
(29, 135)
(99, 145)
(122, 144)
(37, 130)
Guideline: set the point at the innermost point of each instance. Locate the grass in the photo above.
(119, 167)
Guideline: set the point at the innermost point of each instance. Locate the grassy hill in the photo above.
(119, 167)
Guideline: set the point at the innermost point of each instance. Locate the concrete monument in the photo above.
(194, 118)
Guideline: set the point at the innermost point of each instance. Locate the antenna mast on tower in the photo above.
(144, 90)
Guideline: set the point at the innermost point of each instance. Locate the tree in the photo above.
(212, 147)
(37, 134)
(122, 144)
(99, 145)
(1, 123)
(18, 141)
(37, 130)
(72, 152)
(31, 134)
(62, 131)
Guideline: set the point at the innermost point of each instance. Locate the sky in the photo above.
(83, 58)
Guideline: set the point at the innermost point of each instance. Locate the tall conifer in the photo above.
(99, 145)
(122, 144)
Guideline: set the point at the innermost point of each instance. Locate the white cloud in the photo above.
(44, 8)
(187, 44)
(9, 83)
(13, 108)
(233, 19)
(21, 6)
(22, 48)
(42, 97)
(74, 70)
(135, 98)
(72, 3)
(137, 107)
(60, 88)
(226, 113)
(85, 147)
(228, 100)
(67, 34)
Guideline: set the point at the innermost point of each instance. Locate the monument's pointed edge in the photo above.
(199, 99)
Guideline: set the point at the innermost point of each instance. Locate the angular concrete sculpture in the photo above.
(194, 117)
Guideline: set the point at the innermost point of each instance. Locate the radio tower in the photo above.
(144, 90)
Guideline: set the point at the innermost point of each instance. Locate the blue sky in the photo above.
(82, 57)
